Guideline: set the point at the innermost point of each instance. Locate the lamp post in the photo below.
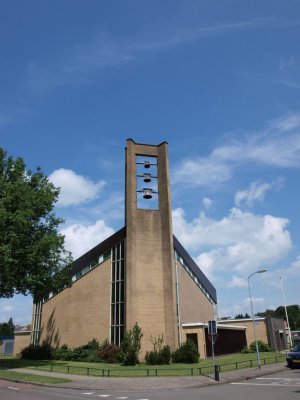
(286, 314)
(260, 271)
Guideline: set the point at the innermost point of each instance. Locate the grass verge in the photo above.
(227, 363)
(32, 378)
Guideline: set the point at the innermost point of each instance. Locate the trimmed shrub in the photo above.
(108, 352)
(187, 353)
(261, 346)
(159, 357)
(38, 352)
(246, 350)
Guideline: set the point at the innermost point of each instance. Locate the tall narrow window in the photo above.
(36, 329)
(117, 295)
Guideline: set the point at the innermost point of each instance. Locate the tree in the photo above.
(293, 312)
(242, 316)
(32, 255)
(131, 346)
(7, 328)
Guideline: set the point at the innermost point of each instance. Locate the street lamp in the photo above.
(286, 314)
(260, 271)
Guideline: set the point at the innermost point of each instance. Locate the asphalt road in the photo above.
(282, 385)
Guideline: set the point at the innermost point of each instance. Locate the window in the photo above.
(117, 294)
(36, 328)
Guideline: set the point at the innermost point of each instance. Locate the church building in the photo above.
(139, 274)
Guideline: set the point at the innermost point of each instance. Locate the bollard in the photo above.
(217, 377)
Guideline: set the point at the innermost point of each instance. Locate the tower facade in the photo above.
(150, 272)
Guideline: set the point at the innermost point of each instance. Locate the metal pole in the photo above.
(260, 271)
(213, 355)
(252, 314)
(286, 314)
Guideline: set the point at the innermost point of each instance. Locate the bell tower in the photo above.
(150, 273)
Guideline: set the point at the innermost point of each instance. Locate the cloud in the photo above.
(289, 72)
(236, 243)
(7, 308)
(74, 188)
(237, 282)
(257, 300)
(255, 192)
(80, 238)
(206, 202)
(278, 145)
(82, 62)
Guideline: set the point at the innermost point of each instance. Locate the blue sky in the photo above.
(218, 80)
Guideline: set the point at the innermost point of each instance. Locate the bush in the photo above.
(261, 346)
(38, 352)
(187, 353)
(130, 346)
(159, 357)
(62, 353)
(108, 352)
(246, 350)
(160, 354)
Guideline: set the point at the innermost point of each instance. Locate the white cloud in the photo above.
(206, 202)
(277, 145)
(74, 188)
(80, 238)
(255, 192)
(237, 282)
(257, 300)
(7, 308)
(236, 243)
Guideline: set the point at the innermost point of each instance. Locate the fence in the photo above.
(136, 371)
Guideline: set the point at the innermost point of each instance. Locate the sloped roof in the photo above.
(101, 248)
(195, 269)
(118, 236)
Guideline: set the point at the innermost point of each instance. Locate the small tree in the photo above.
(186, 353)
(131, 346)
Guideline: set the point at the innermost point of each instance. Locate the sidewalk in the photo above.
(112, 383)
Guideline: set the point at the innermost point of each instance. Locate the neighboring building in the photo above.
(22, 337)
(139, 274)
(6, 345)
(269, 330)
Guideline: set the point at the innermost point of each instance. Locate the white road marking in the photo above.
(122, 398)
(88, 393)
(104, 395)
(263, 384)
(282, 379)
(13, 388)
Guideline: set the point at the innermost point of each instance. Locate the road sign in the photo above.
(212, 327)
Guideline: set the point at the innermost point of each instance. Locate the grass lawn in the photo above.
(228, 362)
(31, 377)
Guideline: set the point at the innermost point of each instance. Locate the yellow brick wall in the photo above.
(81, 311)
(194, 305)
(22, 340)
(200, 331)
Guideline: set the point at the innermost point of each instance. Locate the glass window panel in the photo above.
(122, 292)
(117, 292)
(122, 314)
(122, 270)
(113, 294)
(118, 271)
(117, 336)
